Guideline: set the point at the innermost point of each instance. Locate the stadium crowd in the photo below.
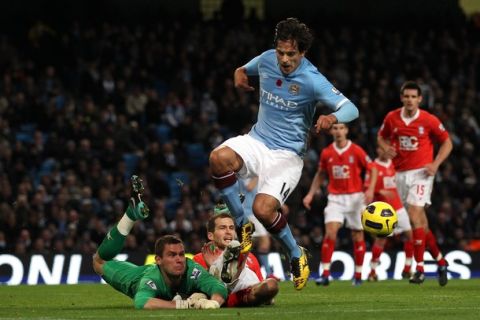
(84, 107)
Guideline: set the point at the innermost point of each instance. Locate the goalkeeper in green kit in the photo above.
(173, 282)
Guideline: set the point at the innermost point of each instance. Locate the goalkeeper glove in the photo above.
(207, 304)
(190, 302)
(182, 304)
(195, 297)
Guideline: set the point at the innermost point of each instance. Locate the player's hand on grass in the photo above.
(207, 304)
(182, 304)
(194, 298)
(191, 302)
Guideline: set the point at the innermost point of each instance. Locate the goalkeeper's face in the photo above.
(224, 232)
(172, 261)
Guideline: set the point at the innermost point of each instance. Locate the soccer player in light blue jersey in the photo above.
(290, 88)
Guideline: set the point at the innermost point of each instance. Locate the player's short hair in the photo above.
(211, 221)
(163, 241)
(293, 29)
(411, 85)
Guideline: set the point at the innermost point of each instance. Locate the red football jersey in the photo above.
(412, 138)
(238, 298)
(386, 181)
(252, 264)
(344, 167)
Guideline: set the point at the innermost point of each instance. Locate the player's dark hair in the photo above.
(211, 221)
(411, 85)
(163, 241)
(293, 29)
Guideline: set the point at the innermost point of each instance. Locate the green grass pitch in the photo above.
(460, 299)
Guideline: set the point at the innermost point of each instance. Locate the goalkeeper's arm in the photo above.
(155, 303)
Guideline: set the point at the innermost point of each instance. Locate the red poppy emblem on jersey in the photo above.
(279, 83)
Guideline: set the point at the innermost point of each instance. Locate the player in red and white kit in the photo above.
(386, 190)
(408, 135)
(343, 162)
(246, 285)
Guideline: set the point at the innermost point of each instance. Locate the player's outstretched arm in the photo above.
(240, 79)
(155, 303)
(347, 112)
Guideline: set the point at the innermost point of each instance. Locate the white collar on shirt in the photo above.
(342, 150)
(409, 120)
(383, 163)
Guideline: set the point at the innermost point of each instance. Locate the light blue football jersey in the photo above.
(287, 102)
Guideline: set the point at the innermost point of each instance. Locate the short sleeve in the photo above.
(363, 157)
(438, 131)
(252, 66)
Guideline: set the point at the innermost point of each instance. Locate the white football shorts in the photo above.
(346, 207)
(414, 187)
(278, 171)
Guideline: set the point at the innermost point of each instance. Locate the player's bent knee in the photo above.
(264, 210)
(221, 155)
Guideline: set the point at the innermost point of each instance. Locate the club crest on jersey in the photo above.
(195, 274)
(335, 90)
(151, 284)
(421, 130)
(294, 89)
(278, 83)
(350, 159)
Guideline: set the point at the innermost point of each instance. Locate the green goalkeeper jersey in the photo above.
(144, 282)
